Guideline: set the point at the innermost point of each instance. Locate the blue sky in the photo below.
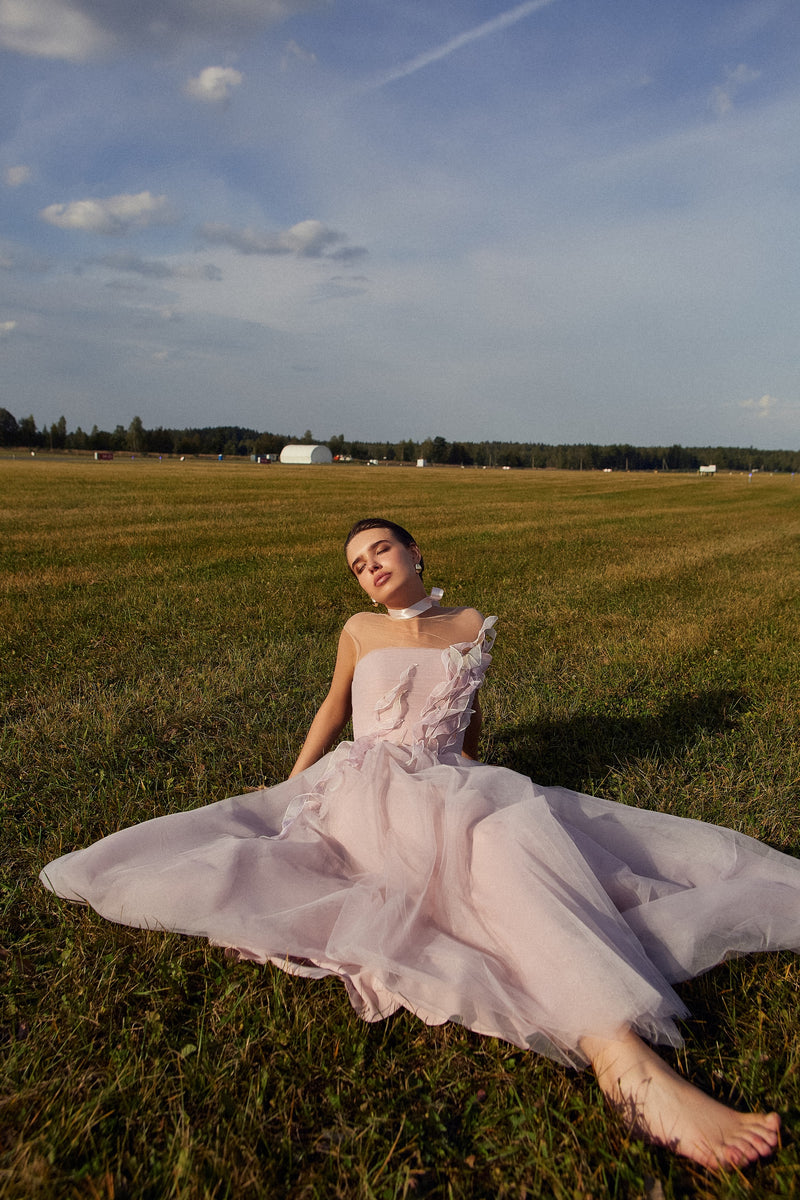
(558, 221)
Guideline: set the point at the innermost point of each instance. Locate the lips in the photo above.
(380, 579)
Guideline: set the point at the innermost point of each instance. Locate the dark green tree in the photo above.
(99, 439)
(58, 434)
(269, 443)
(439, 450)
(135, 438)
(459, 455)
(28, 433)
(9, 429)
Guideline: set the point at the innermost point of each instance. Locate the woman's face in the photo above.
(385, 568)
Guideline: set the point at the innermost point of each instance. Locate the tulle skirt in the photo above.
(460, 891)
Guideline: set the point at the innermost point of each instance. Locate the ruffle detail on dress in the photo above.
(391, 708)
(448, 709)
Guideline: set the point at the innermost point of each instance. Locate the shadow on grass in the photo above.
(582, 749)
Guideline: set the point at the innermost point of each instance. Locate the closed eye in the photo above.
(379, 548)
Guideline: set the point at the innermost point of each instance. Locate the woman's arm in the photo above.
(473, 731)
(334, 712)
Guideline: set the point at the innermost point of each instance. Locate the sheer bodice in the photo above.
(420, 694)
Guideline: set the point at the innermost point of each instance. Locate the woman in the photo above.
(460, 891)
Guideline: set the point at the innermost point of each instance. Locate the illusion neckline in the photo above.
(414, 610)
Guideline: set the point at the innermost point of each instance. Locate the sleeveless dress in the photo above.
(458, 890)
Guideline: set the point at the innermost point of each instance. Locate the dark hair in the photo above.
(402, 535)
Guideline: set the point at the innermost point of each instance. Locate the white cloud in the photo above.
(51, 29)
(7, 328)
(214, 85)
(115, 215)
(309, 238)
(724, 94)
(15, 176)
(306, 239)
(79, 30)
(764, 408)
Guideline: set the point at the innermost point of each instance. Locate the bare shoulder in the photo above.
(469, 621)
(361, 630)
(359, 622)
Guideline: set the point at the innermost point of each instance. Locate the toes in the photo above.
(774, 1124)
(745, 1148)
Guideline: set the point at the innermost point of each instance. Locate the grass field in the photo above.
(168, 630)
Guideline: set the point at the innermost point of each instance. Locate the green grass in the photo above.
(168, 631)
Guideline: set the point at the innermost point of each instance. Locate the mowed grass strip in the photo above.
(168, 631)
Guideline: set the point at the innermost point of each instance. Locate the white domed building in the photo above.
(306, 454)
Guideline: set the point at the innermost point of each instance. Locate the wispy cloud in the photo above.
(764, 407)
(306, 239)
(294, 53)
(476, 34)
(736, 78)
(155, 269)
(15, 177)
(20, 260)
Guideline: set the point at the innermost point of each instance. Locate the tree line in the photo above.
(235, 440)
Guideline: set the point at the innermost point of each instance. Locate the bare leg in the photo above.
(668, 1110)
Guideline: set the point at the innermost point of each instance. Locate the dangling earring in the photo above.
(418, 568)
(375, 602)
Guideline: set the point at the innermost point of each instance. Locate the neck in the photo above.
(416, 607)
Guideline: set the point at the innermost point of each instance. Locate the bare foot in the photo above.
(668, 1110)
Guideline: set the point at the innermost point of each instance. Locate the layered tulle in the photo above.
(456, 890)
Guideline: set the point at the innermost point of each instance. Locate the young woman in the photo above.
(461, 891)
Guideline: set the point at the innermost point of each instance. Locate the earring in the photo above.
(375, 602)
(418, 568)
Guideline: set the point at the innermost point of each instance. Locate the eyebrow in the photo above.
(370, 547)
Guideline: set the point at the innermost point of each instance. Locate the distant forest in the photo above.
(235, 441)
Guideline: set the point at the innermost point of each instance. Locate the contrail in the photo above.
(502, 21)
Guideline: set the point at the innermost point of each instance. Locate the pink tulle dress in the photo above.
(460, 891)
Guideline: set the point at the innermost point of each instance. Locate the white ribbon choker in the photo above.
(413, 610)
